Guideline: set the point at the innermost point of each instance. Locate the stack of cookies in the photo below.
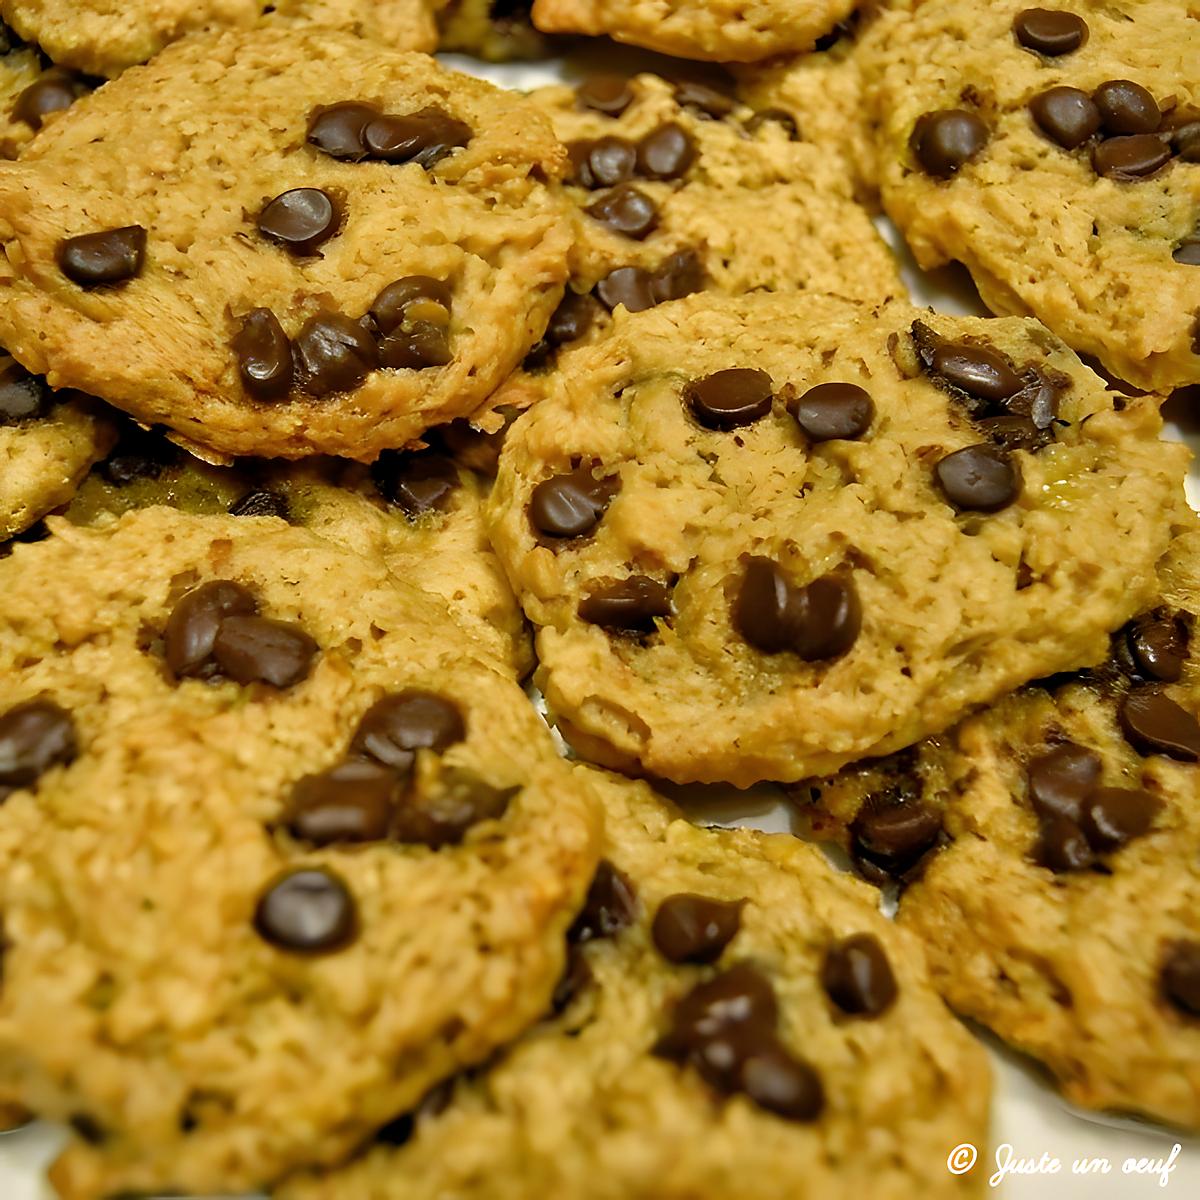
(407, 482)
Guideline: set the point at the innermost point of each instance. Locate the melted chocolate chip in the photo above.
(393, 729)
(626, 210)
(1185, 141)
(893, 837)
(53, 91)
(611, 905)
(337, 129)
(264, 356)
(603, 163)
(1061, 779)
(767, 117)
(632, 287)
(1126, 108)
(730, 399)
(1158, 645)
(251, 649)
(261, 503)
(334, 354)
(632, 604)
(1187, 253)
(1065, 115)
(1154, 724)
(1064, 847)
(439, 811)
(418, 297)
(1132, 157)
(945, 141)
(680, 275)
(300, 220)
(819, 621)
(703, 99)
(857, 976)
(1049, 31)
(1012, 432)
(571, 505)
(833, 411)
(106, 257)
(978, 371)
(1113, 816)
(424, 138)
(34, 736)
(980, 478)
(352, 802)
(695, 929)
(572, 319)
(307, 911)
(666, 152)
(1181, 976)
(418, 482)
(22, 395)
(609, 94)
(781, 1083)
(742, 995)
(191, 629)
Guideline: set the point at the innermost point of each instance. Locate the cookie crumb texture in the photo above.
(247, 320)
(583, 1107)
(184, 954)
(737, 578)
(721, 30)
(1065, 219)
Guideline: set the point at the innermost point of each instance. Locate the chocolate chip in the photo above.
(575, 977)
(251, 649)
(334, 354)
(1158, 645)
(1187, 253)
(781, 1083)
(626, 210)
(1181, 976)
(22, 395)
(1065, 115)
(338, 129)
(819, 621)
(424, 138)
(742, 995)
(34, 736)
(1064, 847)
(570, 505)
(393, 729)
(1154, 724)
(191, 629)
(417, 482)
(703, 99)
(631, 604)
(1126, 107)
(1185, 141)
(139, 454)
(946, 140)
(857, 976)
(730, 399)
(300, 220)
(413, 297)
(572, 319)
(978, 478)
(352, 802)
(774, 116)
(264, 356)
(422, 345)
(1014, 433)
(666, 152)
(677, 276)
(439, 811)
(307, 911)
(833, 411)
(695, 929)
(107, 256)
(261, 503)
(609, 94)
(1130, 157)
(893, 837)
(1113, 816)
(632, 287)
(1061, 779)
(979, 371)
(53, 91)
(605, 162)
(1049, 31)
(611, 905)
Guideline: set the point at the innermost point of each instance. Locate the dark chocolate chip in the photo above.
(300, 220)
(1158, 645)
(53, 91)
(741, 995)
(703, 99)
(425, 137)
(439, 811)
(1012, 432)
(731, 398)
(264, 356)
(1064, 847)
(774, 116)
(631, 604)
(393, 729)
(1113, 816)
(611, 905)
(1188, 253)
(833, 411)
(1050, 31)
(334, 354)
(570, 505)
(819, 621)
(609, 94)
(1132, 157)
(338, 129)
(979, 371)
(857, 976)
(946, 140)
(1061, 779)
(22, 395)
(34, 736)
(1126, 107)
(572, 319)
(632, 287)
(626, 210)
(261, 503)
(423, 344)
(1185, 141)
(1154, 724)
(191, 629)
(253, 649)
(980, 478)
(689, 928)
(417, 482)
(781, 1083)
(894, 837)
(398, 302)
(666, 152)
(107, 256)
(1065, 115)
(352, 802)
(307, 911)
(1181, 976)
(680, 275)
(139, 454)
(609, 161)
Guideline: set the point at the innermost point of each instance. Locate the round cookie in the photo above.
(104, 37)
(1059, 893)
(494, 30)
(985, 159)
(240, 344)
(721, 30)
(47, 444)
(209, 883)
(593, 1103)
(737, 576)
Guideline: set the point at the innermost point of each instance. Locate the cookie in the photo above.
(761, 535)
(985, 158)
(47, 444)
(263, 801)
(1055, 846)
(494, 30)
(720, 30)
(31, 93)
(619, 1096)
(269, 284)
(105, 37)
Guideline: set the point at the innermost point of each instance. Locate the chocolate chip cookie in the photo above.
(721, 30)
(1056, 153)
(734, 1015)
(267, 823)
(762, 535)
(348, 246)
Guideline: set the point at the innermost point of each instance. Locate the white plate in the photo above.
(1029, 1117)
